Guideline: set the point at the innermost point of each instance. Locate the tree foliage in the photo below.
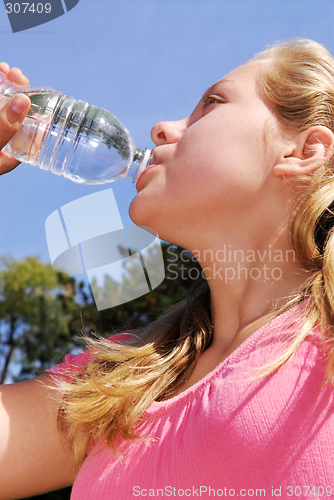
(38, 309)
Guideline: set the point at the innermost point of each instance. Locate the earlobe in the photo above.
(312, 149)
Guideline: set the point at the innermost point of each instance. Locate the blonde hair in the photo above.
(298, 81)
(109, 396)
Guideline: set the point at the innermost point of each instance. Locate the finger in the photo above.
(16, 75)
(12, 116)
(4, 67)
(7, 162)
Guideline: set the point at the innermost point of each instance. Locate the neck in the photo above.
(248, 285)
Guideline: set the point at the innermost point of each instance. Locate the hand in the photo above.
(11, 116)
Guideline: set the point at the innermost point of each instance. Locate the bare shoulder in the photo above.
(32, 459)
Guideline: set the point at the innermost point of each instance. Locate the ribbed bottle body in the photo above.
(84, 143)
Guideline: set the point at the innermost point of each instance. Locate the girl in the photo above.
(229, 393)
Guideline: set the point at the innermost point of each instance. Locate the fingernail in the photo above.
(19, 104)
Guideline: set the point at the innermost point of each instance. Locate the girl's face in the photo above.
(215, 166)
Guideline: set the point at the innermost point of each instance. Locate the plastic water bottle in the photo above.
(84, 143)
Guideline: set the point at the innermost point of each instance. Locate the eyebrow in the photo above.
(215, 85)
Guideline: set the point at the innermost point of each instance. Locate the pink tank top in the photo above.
(228, 436)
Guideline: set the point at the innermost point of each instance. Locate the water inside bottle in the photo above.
(93, 146)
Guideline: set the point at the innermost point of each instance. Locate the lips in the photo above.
(146, 170)
(152, 165)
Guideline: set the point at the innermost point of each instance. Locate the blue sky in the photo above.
(144, 60)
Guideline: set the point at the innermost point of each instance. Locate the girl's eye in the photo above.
(211, 99)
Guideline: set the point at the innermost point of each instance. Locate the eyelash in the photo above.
(206, 100)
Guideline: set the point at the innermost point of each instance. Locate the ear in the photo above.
(307, 152)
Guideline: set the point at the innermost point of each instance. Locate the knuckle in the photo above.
(8, 124)
(7, 129)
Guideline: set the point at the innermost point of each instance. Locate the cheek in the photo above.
(226, 161)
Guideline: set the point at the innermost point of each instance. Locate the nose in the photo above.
(168, 132)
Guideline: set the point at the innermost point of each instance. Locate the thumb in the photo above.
(12, 116)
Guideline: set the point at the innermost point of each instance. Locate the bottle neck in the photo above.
(141, 160)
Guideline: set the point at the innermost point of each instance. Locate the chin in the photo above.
(141, 212)
(146, 215)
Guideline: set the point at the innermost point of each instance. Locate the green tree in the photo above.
(39, 316)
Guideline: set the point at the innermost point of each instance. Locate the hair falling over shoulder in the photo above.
(110, 395)
(108, 398)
